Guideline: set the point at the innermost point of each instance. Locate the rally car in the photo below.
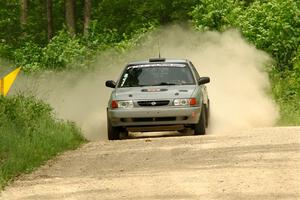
(158, 95)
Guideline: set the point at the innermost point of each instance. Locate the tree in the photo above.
(24, 12)
(49, 4)
(70, 16)
(87, 16)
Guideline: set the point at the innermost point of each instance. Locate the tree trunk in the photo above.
(24, 12)
(87, 16)
(70, 16)
(49, 19)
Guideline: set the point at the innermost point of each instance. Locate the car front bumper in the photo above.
(158, 116)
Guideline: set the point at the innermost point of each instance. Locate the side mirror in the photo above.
(203, 80)
(110, 84)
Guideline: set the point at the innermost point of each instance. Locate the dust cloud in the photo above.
(238, 88)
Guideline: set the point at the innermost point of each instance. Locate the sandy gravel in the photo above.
(258, 164)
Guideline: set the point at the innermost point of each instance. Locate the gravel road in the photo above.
(258, 164)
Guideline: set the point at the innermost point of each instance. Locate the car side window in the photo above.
(195, 71)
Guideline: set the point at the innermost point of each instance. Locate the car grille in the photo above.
(153, 103)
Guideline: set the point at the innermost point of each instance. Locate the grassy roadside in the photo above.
(286, 93)
(30, 135)
(289, 113)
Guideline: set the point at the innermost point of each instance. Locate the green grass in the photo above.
(289, 113)
(30, 135)
(286, 92)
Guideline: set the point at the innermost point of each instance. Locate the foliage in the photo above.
(215, 15)
(9, 22)
(273, 26)
(29, 56)
(128, 16)
(66, 52)
(113, 21)
(286, 90)
(62, 50)
(30, 135)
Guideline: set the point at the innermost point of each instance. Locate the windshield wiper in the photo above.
(162, 83)
(166, 83)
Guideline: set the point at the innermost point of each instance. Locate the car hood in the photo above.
(154, 92)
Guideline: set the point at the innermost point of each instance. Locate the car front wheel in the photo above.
(207, 114)
(112, 132)
(199, 128)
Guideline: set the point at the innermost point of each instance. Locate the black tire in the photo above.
(207, 114)
(199, 128)
(113, 133)
(124, 133)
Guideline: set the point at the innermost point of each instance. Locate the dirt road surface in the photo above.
(258, 164)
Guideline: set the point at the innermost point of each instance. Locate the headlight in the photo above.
(121, 104)
(185, 102)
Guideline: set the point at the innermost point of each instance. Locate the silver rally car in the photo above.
(158, 95)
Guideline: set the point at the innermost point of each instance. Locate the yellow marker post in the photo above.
(7, 81)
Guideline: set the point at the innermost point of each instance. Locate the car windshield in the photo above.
(156, 75)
